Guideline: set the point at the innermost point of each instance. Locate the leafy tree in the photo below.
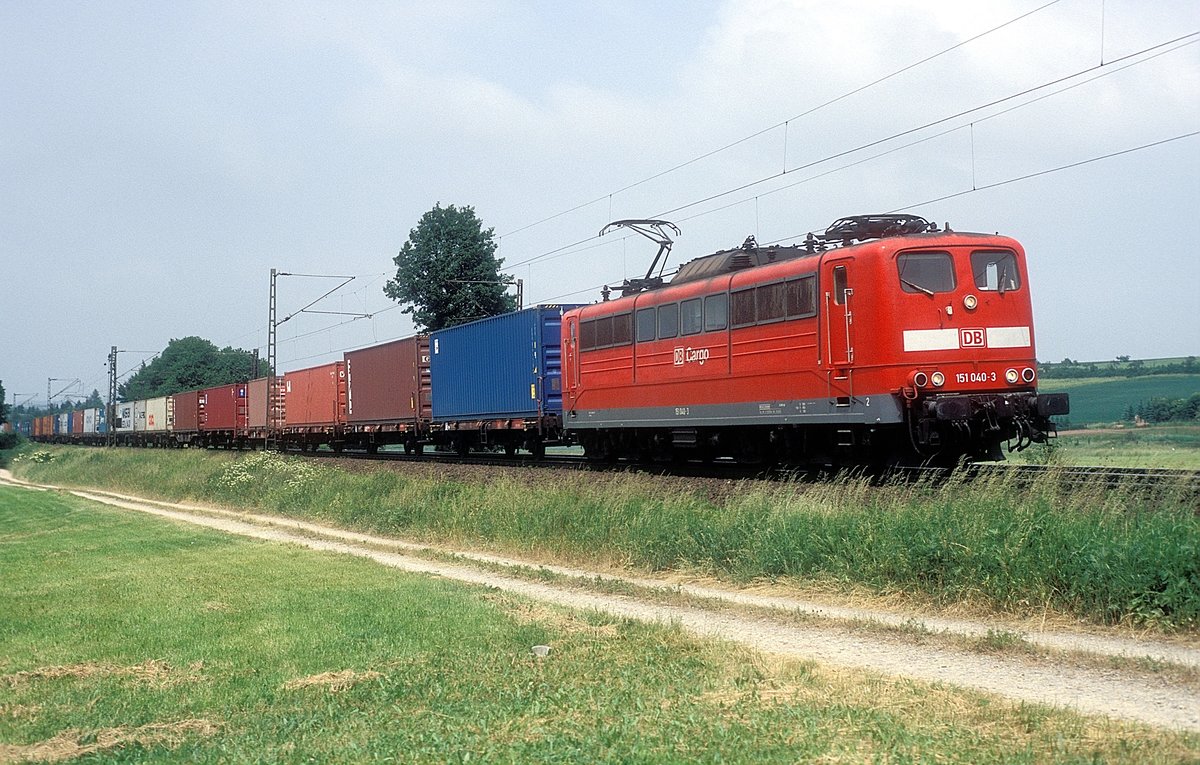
(93, 401)
(447, 272)
(188, 364)
(3, 404)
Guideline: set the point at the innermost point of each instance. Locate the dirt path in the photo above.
(1085, 687)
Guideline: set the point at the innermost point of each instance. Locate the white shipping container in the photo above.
(125, 413)
(64, 423)
(152, 415)
(89, 420)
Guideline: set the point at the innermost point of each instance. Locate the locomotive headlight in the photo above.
(938, 379)
(970, 302)
(1027, 374)
(920, 379)
(1011, 376)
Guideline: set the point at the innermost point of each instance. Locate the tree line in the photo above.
(1121, 367)
(1166, 410)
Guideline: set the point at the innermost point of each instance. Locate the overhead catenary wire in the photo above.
(964, 192)
(935, 136)
(784, 123)
(932, 123)
(900, 134)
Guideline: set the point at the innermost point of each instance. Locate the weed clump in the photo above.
(38, 457)
(267, 479)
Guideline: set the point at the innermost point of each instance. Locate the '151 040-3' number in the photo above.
(975, 377)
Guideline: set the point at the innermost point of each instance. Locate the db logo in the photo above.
(689, 355)
(971, 338)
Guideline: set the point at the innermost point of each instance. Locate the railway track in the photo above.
(1146, 479)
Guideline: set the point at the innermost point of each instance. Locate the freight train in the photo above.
(884, 340)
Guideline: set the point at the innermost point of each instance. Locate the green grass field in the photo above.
(131, 639)
(1175, 447)
(1103, 400)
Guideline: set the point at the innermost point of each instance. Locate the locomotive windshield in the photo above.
(995, 270)
(926, 272)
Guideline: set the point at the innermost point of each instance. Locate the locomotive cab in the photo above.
(963, 341)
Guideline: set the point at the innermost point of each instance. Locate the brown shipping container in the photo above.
(315, 396)
(77, 421)
(223, 407)
(187, 412)
(389, 383)
(256, 402)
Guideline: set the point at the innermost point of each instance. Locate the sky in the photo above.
(157, 160)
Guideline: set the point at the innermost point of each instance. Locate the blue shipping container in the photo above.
(502, 367)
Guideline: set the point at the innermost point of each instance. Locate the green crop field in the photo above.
(134, 639)
(1102, 400)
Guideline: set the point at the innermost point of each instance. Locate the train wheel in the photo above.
(599, 448)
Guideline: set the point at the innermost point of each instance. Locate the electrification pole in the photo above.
(70, 382)
(277, 403)
(110, 438)
(273, 392)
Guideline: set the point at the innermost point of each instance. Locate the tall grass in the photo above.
(1109, 555)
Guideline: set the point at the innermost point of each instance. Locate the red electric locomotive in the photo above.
(884, 340)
